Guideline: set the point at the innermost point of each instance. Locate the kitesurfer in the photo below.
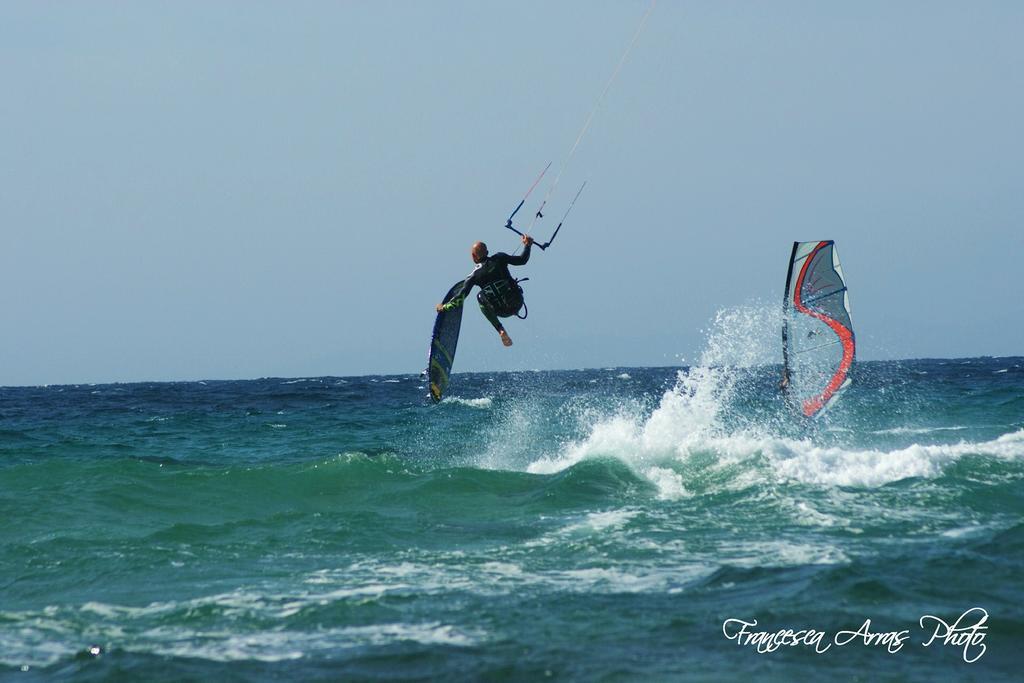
(500, 296)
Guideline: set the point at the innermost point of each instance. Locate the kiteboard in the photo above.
(443, 342)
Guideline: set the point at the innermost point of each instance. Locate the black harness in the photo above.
(505, 298)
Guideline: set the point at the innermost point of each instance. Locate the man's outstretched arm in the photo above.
(459, 297)
(525, 256)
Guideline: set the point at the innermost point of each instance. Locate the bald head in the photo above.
(478, 252)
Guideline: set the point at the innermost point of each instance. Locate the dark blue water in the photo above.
(575, 525)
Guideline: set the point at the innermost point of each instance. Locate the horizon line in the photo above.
(461, 372)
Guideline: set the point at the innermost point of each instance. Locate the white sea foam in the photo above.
(266, 646)
(502, 569)
(689, 416)
(284, 645)
(781, 553)
(481, 403)
(806, 463)
(613, 580)
(605, 520)
(806, 515)
(918, 430)
(503, 577)
(43, 642)
(685, 422)
(33, 645)
(787, 459)
(966, 531)
(669, 482)
(690, 421)
(431, 633)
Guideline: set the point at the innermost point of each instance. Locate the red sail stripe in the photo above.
(813, 405)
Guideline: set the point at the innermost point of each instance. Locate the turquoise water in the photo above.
(577, 525)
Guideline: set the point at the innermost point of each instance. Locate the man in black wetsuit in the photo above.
(499, 295)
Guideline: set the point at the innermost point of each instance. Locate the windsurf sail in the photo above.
(818, 344)
(443, 341)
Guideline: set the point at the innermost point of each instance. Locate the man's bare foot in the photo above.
(505, 339)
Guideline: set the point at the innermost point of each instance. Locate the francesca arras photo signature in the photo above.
(966, 632)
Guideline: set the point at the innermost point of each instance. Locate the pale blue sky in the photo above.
(241, 189)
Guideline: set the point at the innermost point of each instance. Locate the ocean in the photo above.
(610, 524)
